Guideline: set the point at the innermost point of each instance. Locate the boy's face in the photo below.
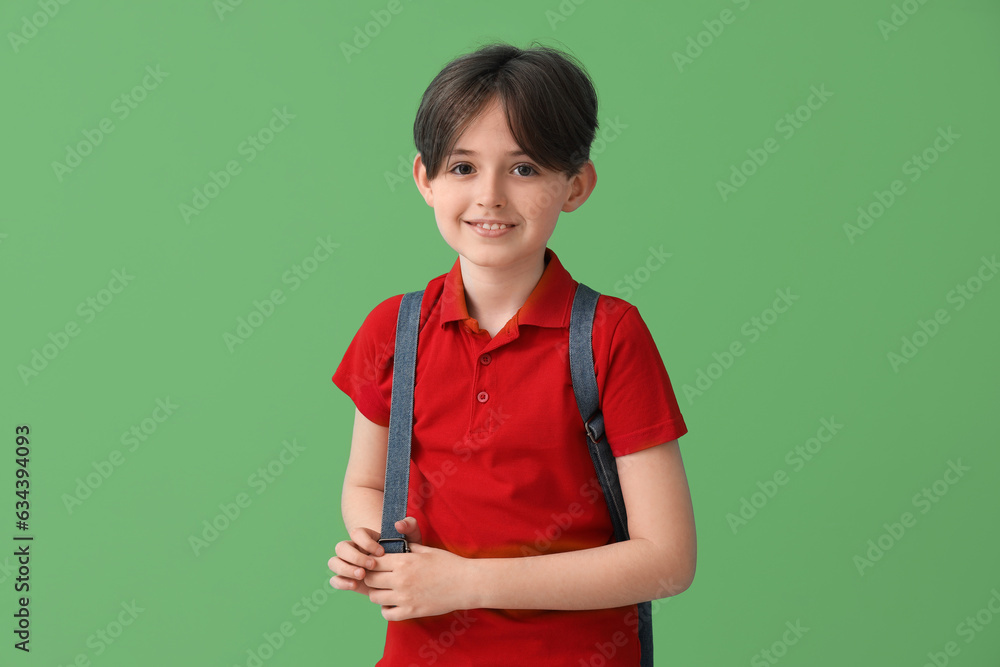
(488, 183)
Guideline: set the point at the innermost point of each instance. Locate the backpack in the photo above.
(581, 362)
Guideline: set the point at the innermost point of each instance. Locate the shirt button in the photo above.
(485, 359)
(482, 397)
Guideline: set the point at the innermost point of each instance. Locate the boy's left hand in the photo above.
(424, 582)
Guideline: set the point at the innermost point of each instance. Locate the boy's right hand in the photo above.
(353, 557)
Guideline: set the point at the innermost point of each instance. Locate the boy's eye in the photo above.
(531, 170)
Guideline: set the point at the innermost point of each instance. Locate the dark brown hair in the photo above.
(547, 96)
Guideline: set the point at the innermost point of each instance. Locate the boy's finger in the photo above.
(372, 546)
(344, 569)
(385, 564)
(348, 584)
(350, 554)
(365, 541)
(410, 528)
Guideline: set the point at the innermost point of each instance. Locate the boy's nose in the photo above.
(491, 193)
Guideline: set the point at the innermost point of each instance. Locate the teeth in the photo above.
(491, 228)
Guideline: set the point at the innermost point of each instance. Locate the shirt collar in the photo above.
(548, 305)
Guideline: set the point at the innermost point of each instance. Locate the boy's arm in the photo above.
(364, 480)
(658, 561)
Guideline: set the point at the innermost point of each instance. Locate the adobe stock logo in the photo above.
(229, 511)
(122, 106)
(565, 9)
(31, 25)
(295, 276)
(969, 628)
(963, 292)
(223, 7)
(924, 500)
(899, 17)
(779, 648)
(104, 468)
(642, 273)
(914, 167)
(107, 634)
(372, 29)
(88, 309)
(752, 329)
(249, 148)
(797, 458)
(787, 126)
(696, 44)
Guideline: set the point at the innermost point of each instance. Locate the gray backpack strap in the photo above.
(581, 366)
(397, 463)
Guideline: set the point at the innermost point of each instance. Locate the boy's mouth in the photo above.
(489, 224)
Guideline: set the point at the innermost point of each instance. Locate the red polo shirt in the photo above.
(500, 466)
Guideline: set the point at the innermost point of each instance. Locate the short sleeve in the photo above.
(637, 399)
(365, 372)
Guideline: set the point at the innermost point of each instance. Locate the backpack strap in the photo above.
(581, 366)
(397, 466)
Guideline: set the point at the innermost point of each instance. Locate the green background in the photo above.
(331, 174)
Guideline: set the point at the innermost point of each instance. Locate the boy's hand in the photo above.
(425, 582)
(353, 559)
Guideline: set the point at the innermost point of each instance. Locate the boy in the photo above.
(513, 555)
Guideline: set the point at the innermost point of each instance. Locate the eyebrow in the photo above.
(465, 151)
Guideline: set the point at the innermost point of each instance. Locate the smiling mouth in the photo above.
(489, 226)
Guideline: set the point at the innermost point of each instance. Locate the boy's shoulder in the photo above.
(610, 312)
(383, 316)
(619, 328)
(611, 306)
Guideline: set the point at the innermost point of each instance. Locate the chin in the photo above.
(486, 256)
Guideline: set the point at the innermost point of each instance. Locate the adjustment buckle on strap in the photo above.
(591, 431)
(406, 546)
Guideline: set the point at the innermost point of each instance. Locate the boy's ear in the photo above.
(420, 178)
(580, 187)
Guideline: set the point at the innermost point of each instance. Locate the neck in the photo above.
(493, 293)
